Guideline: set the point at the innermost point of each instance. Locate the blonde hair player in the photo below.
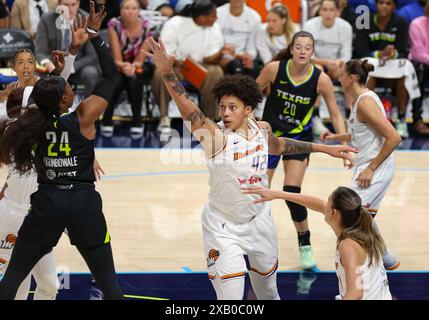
(375, 138)
(236, 152)
(359, 266)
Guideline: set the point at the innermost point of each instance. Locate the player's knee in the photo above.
(265, 287)
(48, 289)
(298, 212)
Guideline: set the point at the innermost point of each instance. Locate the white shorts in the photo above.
(10, 222)
(226, 243)
(374, 194)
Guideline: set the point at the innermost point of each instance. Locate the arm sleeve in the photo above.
(68, 66)
(106, 86)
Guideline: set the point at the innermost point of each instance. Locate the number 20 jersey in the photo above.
(242, 163)
(289, 106)
(66, 153)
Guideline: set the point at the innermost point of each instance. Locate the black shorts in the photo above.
(77, 208)
(273, 160)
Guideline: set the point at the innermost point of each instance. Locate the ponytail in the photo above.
(284, 54)
(361, 68)
(20, 137)
(357, 223)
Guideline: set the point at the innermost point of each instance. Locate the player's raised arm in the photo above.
(203, 129)
(90, 109)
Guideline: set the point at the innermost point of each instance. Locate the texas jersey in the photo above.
(66, 153)
(289, 106)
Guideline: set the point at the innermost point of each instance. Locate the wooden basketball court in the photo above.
(153, 200)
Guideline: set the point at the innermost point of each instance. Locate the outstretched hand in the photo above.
(341, 151)
(58, 61)
(98, 170)
(95, 18)
(266, 194)
(162, 60)
(79, 34)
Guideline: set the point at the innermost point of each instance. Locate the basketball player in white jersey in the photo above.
(14, 206)
(358, 261)
(375, 138)
(236, 152)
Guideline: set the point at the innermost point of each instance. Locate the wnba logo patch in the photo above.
(9, 242)
(213, 256)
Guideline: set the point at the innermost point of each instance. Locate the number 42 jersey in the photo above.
(66, 153)
(242, 163)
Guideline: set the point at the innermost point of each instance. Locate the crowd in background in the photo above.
(229, 37)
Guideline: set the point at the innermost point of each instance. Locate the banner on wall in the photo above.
(263, 6)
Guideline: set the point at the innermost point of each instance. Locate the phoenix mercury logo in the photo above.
(213, 256)
(8, 242)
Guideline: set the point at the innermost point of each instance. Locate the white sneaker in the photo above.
(318, 127)
(106, 131)
(402, 128)
(164, 126)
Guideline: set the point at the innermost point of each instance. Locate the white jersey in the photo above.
(364, 138)
(19, 189)
(241, 163)
(240, 31)
(373, 279)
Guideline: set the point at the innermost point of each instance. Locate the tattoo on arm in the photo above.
(177, 86)
(196, 117)
(296, 147)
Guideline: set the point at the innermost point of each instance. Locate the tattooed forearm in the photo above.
(296, 147)
(196, 117)
(177, 85)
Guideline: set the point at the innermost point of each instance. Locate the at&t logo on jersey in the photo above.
(8, 242)
(50, 174)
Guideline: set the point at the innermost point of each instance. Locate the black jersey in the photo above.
(289, 107)
(66, 153)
